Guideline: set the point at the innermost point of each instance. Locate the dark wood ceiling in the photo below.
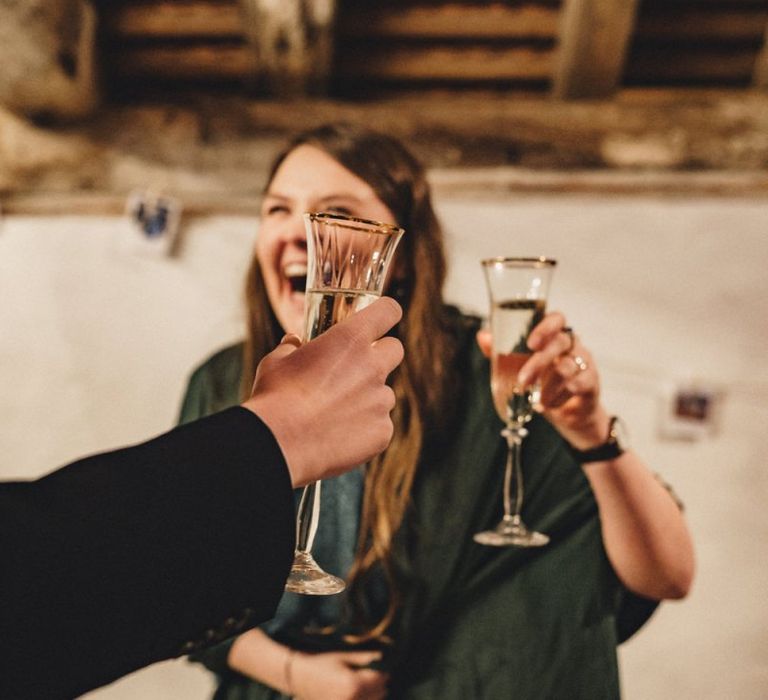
(572, 49)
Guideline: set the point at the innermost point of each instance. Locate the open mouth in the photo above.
(296, 275)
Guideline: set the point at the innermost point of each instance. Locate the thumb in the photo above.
(360, 659)
(288, 345)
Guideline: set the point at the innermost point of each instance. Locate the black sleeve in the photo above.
(130, 557)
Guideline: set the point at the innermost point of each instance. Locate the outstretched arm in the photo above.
(644, 531)
(130, 557)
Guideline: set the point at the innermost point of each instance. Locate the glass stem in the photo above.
(307, 517)
(513, 474)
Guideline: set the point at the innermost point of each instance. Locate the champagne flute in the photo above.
(348, 261)
(517, 288)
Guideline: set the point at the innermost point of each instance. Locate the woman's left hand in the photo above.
(570, 384)
(645, 535)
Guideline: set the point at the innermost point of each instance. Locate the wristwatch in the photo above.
(615, 446)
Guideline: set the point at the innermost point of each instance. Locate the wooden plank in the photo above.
(652, 5)
(450, 20)
(488, 183)
(192, 63)
(483, 63)
(760, 69)
(594, 36)
(701, 64)
(208, 62)
(179, 18)
(694, 23)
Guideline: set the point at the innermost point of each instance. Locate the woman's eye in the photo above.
(339, 209)
(276, 209)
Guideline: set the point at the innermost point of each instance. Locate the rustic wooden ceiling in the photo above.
(556, 94)
(573, 48)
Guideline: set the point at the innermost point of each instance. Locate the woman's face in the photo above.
(308, 180)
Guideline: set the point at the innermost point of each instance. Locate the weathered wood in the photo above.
(451, 20)
(187, 18)
(483, 183)
(207, 62)
(481, 63)
(48, 58)
(760, 70)
(175, 18)
(189, 63)
(689, 23)
(222, 148)
(653, 5)
(292, 42)
(651, 65)
(594, 36)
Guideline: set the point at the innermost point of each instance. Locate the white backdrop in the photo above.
(97, 343)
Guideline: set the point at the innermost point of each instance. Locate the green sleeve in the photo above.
(214, 385)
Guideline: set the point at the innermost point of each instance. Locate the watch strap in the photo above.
(610, 449)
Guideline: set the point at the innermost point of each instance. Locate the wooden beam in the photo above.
(483, 63)
(594, 37)
(450, 20)
(194, 63)
(760, 70)
(236, 62)
(653, 65)
(487, 183)
(175, 18)
(697, 23)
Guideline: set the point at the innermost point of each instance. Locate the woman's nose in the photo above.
(294, 231)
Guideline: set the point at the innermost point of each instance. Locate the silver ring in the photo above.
(581, 363)
(569, 332)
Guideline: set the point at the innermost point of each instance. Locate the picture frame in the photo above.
(154, 221)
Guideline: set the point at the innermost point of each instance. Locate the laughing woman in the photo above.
(428, 612)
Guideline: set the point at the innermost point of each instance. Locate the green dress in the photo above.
(476, 621)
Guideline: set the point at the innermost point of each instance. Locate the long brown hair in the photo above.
(422, 382)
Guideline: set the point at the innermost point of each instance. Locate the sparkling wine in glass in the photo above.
(347, 267)
(518, 289)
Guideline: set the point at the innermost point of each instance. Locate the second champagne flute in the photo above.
(518, 289)
(347, 265)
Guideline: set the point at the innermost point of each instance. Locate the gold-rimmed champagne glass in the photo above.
(347, 265)
(517, 289)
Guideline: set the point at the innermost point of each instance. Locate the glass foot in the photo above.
(308, 578)
(511, 533)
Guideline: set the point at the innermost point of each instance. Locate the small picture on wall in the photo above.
(690, 411)
(154, 222)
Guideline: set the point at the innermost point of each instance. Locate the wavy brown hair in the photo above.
(422, 382)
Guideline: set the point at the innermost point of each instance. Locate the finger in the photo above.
(283, 350)
(372, 681)
(582, 383)
(291, 339)
(484, 341)
(360, 658)
(568, 367)
(550, 354)
(369, 324)
(389, 400)
(546, 329)
(389, 352)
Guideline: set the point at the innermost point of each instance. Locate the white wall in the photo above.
(96, 344)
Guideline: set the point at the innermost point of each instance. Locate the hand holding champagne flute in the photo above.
(348, 262)
(518, 289)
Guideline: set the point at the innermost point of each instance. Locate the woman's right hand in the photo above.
(337, 675)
